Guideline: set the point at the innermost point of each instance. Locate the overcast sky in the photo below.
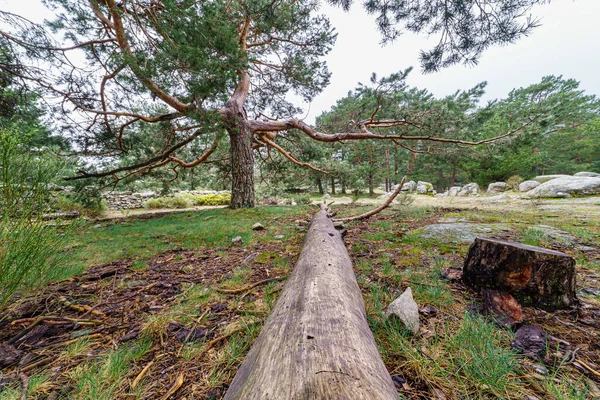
(567, 43)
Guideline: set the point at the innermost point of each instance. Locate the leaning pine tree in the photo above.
(217, 71)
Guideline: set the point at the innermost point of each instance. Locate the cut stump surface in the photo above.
(533, 275)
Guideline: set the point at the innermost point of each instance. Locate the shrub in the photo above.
(514, 181)
(222, 199)
(185, 200)
(29, 247)
(302, 199)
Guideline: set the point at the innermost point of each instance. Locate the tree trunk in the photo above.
(320, 186)
(453, 176)
(316, 344)
(242, 167)
(370, 181)
(332, 185)
(343, 183)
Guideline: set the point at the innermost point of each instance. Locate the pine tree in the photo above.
(221, 70)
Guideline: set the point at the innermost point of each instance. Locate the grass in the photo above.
(457, 353)
(140, 240)
(102, 379)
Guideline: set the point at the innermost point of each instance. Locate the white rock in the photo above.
(278, 237)
(424, 187)
(470, 189)
(407, 310)
(497, 187)
(410, 186)
(588, 174)
(546, 178)
(453, 191)
(236, 240)
(566, 187)
(526, 186)
(258, 227)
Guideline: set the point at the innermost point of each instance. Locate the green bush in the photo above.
(514, 181)
(185, 200)
(302, 199)
(67, 204)
(29, 247)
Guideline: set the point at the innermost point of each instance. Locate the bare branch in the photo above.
(382, 207)
(290, 156)
(270, 126)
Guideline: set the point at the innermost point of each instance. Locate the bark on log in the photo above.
(534, 276)
(316, 344)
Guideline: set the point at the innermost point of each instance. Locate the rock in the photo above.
(338, 225)
(584, 248)
(470, 189)
(535, 276)
(407, 310)
(526, 186)
(565, 187)
(461, 232)
(236, 240)
(279, 237)
(555, 235)
(326, 196)
(424, 187)
(410, 186)
(504, 307)
(497, 187)
(530, 340)
(451, 274)
(258, 227)
(588, 174)
(9, 355)
(546, 178)
(445, 194)
(453, 191)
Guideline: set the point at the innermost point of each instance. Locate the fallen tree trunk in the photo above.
(316, 344)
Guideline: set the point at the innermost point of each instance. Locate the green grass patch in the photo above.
(142, 239)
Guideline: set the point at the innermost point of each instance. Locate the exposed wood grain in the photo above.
(316, 344)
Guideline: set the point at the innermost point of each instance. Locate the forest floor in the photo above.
(167, 307)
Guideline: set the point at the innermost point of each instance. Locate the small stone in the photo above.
(398, 381)
(452, 274)
(279, 237)
(530, 340)
(97, 226)
(258, 227)
(407, 310)
(236, 240)
(505, 308)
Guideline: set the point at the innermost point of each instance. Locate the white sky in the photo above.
(567, 43)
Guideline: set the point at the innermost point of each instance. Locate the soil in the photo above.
(109, 304)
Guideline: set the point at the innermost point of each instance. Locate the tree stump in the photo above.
(316, 344)
(534, 276)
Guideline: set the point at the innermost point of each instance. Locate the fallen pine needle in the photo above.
(68, 342)
(593, 371)
(220, 338)
(139, 377)
(233, 291)
(174, 388)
